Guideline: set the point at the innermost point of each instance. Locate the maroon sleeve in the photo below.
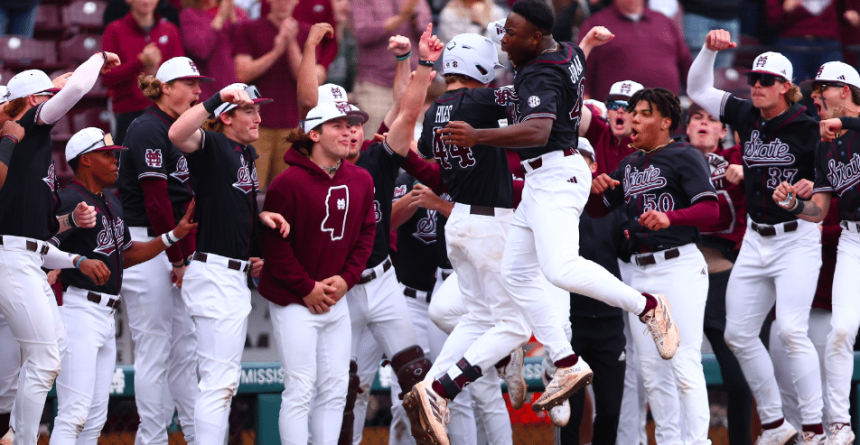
(357, 259)
(424, 172)
(128, 69)
(160, 212)
(596, 206)
(724, 219)
(699, 214)
(241, 43)
(278, 253)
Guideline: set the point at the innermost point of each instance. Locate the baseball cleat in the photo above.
(810, 438)
(428, 414)
(512, 373)
(8, 438)
(662, 326)
(841, 434)
(559, 414)
(784, 434)
(565, 382)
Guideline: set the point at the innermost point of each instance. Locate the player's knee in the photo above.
(737, 339)
(410, 365)
(440, 315)
(556, 272)
(44, 363)
(841, 338)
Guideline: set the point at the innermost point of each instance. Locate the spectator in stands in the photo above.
(701, 16)
(374, 21)
(267, 52)
(18, 17)
(467, 16)
(647, 48)
(208, 30)
(117, 9)
(342, 69)
(811, 23)
(142, 39)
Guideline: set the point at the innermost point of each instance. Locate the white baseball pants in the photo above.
(10, 362)
(218, 301)
(314, 352)
(684, 282)
(165, 348)
(634, 402)
(447, 306)
(844, 325)
(29, 306)
(83, 386)
(780, 269)
(544, 237)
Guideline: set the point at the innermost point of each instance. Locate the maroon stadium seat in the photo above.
(47, 17)
(90, 117)
(25, 52)
(85, 14)
(79, 48)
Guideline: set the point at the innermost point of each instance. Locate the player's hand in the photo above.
(256, 266)
(53, 276)
(178, 275)
(790, 5)
(60, 81)
(339, 284)
(236, 96)
(96, 270)
(275, 221)
(829, 129)
(596, 36)
(319, 301)
(654, 220)
(399, 45)
(113, 61)
(602, 182)
(12, 128)
(804, 188)
(85, 215)
(317, 33)
(718, 40)
(459, 133)
(430, 47)
(186, 224)
(735, 173)
(781, 195)
(425, 197)
(852, 17)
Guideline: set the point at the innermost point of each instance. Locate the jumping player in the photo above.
(215, 289)
(781, 255)
(27, 202)
(836, 95)
(668, 195)
(155, 188)
(543, 236)
(84, 382)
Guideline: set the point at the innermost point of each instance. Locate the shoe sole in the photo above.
(412, 405)
(674, 328)
(520, 400)
(517, 371)
(559, 397)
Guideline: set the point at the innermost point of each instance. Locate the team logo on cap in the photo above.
(193, 66)
(625, 88)
(335, 93)
(181, 172)
(820, 70)
(761, 62)
(343, 107)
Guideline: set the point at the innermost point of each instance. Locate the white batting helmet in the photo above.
(471, 55)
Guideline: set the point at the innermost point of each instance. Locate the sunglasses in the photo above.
(765, 79)
(107, 140)
(616, 104)
(253, 92)
(819, 87)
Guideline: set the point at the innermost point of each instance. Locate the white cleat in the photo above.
(810, 438)
(662, 326)
(428, 414)
(565, 382)
(559, 414)
(841, 434)
(512, 373)
(784, 434)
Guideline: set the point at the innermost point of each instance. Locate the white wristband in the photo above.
(167, 240)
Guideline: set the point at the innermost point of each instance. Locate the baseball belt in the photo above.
(765, 230)
(31, 245)
(231, 263)
(648, 259)
(373, 275)
(537, 163)
(96, 298)
(417, 294)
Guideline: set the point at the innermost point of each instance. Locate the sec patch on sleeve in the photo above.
(153, 158)
(534, 101)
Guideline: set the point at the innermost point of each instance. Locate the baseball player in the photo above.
(836, 95)
(155, 187)
(10, 352)
(90, 359)
(306, 276)
(780, 256)
(668, 195)
(548, 85)
(215, 290)
(27, 202)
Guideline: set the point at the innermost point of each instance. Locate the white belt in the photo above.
(9, 242)
(851, 226)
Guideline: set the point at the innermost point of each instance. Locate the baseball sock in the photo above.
(453, 382)
(503, 362)
(815, 428)
(772, 425)
(650, 303)
(566, 362)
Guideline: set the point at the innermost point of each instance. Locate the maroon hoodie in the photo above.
(332, 227)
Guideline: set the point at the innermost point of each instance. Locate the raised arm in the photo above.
(185, 134)
(401, 48)
(308, 94)
(596, 36)
(700, 80)
(78, 84)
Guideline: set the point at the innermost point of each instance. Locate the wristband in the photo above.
(213, 102)
(6, 149)
(13, 138)
(166, 240)
(181, 264)
(798, 207)
(429, 63)
(404, 57)
(172, 236)
(79, 261)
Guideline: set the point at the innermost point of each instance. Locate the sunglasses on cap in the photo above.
(106, 139)
(616, 104)
(765, 79)
(253, 92)
(819, 87)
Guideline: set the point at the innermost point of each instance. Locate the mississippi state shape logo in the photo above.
(336, 210)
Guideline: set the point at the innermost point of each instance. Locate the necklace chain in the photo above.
(653, 149)
(333, 169)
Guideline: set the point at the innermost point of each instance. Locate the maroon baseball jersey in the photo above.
(332, 228)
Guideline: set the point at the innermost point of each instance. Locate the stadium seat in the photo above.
(24, 52)
(47, 17)
(91, 117)
(85, 14)
(79, 48)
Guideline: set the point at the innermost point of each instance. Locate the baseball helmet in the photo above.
(471, 55)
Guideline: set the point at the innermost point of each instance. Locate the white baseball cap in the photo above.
(496, 30)
(623, 90)
(585, 147)
(331, 93)
(327, 111)
(836, 72)
(3, 92)
(88, 140)
(471, 55)
(252, 91)
(180, 68)
(772, 63)
(29, 82)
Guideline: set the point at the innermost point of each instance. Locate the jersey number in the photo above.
(444, 152)
(576, 112)
(777, 175)
(336, 209)
(663, 203)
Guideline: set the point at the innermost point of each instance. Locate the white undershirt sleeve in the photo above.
(700, 83)
(78, 84)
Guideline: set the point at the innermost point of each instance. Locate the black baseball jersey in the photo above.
(416, 242)
(383, 164)
(780, 149)
(150, 154)
(670, 178)
(837, 169)
(105, 242)
(226, 195)
(478, 175)
(29, 196)
(551, 86)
